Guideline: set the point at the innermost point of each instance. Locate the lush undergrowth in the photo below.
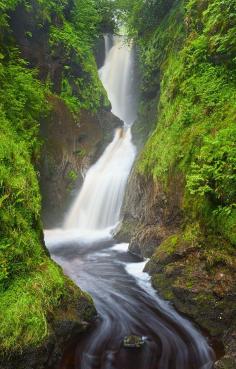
(32, 287)
(193, 51)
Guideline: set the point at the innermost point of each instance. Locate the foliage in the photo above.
(23, 98)
(81, 86)
(107, 11)
(25, 304)
(31, 285)
(214, 171)
(194, 68)
(142, 17)
(23, 102)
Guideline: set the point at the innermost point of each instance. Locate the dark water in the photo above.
(127, 304)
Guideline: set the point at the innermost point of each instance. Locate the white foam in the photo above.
(120, 247)
(60, 237)
(143, 279)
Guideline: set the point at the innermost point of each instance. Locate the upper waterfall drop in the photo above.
(98, 204)
(117, 76)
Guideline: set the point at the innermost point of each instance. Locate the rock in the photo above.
(69, 149)
(133, 341)
(146, 239)
(228, 361)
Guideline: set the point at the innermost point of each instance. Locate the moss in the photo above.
(226, 363)
(167, 247)
(196, 111)
(34, 294)
(161, 284)
(29, 306)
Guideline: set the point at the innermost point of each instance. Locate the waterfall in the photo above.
(98, 204)
(124, 305)
(118, 80)
(108, 41)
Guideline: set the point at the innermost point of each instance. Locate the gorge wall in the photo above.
(55, 119)
(179, 209)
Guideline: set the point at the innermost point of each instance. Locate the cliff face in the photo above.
(179, 208)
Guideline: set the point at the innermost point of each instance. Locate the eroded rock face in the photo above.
(69, 149)
(149, 214)
(229, 359)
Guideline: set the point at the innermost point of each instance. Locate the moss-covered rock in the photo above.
(40, 320)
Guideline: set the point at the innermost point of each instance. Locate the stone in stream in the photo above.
(133, 341)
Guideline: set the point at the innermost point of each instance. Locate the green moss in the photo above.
(169, 245)
(161, 284)
(22, 103)
(34, 293)
(81, 87)
(26, 305)
(195, 131)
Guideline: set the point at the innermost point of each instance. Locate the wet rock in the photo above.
(146, 239)
(133, 341)
(99, 52)
(125, 231)
(228, 361)
(69, 149)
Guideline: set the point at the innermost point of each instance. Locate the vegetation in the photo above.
(189, 53)
(75, 37)
(32, 287)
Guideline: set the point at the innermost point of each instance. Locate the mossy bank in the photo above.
(47, 68)
(180, 205)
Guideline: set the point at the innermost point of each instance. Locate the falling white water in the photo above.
(108, 41)
(118, 80)
(98, 204)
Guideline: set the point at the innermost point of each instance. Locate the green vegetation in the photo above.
(75, 38)
(27, 303)
(188, 51)
(22, 103)
(32, 287)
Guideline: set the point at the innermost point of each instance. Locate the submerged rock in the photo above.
(133, 341)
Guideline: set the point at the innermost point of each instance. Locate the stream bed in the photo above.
(126, 305)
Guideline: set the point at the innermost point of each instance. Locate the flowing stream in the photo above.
(85, 248)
